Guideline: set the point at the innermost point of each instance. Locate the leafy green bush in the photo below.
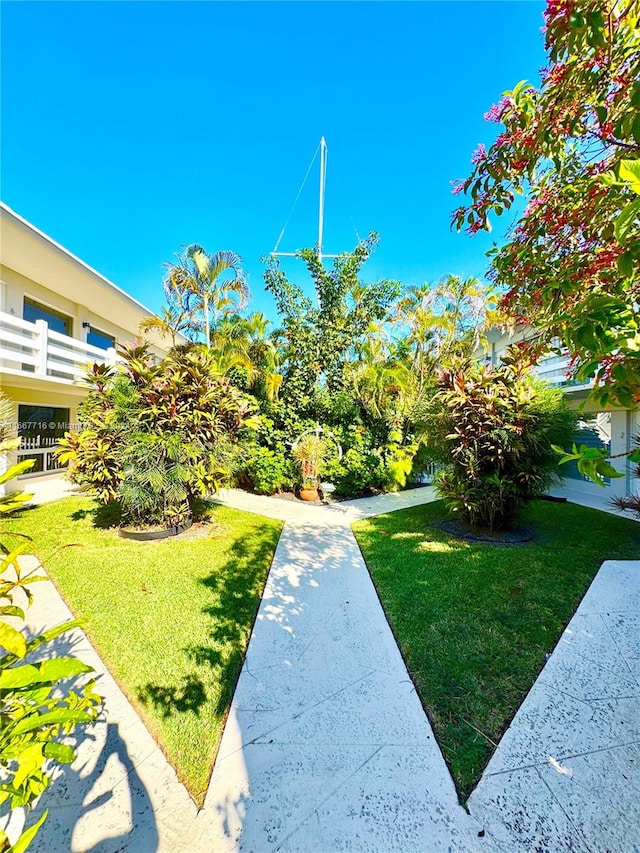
(157, 437)
(361, 468)
(493, 428)
(267, 471)
(154, 489)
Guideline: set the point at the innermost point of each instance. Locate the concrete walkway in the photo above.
(327, 747)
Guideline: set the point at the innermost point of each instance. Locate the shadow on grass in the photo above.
(103, 516)
(189, 696)
(235, 591)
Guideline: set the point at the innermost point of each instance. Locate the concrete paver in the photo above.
(566, 774)
(327, 747)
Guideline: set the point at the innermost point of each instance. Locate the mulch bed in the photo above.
(460, 530)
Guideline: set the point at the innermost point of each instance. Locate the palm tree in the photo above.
(210, 285)
(171, 322)
(384, 388)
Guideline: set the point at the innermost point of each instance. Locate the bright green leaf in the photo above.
(13, 641)
(630, 172)
(626, 220)
(53, 718)
(28, 835)
(60, 752)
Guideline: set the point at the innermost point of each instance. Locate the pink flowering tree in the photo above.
(571, 147)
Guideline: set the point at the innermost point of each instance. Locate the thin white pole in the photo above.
(323, 159)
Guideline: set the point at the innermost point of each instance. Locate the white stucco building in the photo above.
(57, 315)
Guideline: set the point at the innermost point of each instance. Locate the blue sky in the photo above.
(132, 129)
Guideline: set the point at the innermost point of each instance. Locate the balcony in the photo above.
(555, 370)
(34, 351)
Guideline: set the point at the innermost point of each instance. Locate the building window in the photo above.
(99, 339)
(33, 311)
(40, 428)
(594, 430)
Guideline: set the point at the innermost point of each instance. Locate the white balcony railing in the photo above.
(42, 450)
(33, 349)
(555, 369)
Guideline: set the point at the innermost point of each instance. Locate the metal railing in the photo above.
(42, 449)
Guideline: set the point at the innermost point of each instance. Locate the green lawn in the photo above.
(474, 622)
(171, 619)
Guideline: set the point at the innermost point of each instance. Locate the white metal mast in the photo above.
(323, 181)
(323, 167)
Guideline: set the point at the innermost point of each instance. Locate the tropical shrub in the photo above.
(310, 453)
(154, 489)
(492, 428)
(157, 437)
(267, 471)
(33, 713)
(397, 456)
(360, 470)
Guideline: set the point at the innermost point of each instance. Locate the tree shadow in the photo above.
(103, 516)
(189, 696)
(235, 593)
(100, 797)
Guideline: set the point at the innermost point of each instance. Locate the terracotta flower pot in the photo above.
(308, 493)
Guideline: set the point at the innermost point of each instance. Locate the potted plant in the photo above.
(309, 452)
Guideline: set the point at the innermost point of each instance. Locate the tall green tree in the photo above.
(438, 321)
(570, 265)
(322, 336)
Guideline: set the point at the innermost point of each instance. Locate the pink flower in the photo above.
(458, 187)
(497, 111)
(479, 154)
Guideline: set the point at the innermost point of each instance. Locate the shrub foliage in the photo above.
(34, 712)
(157, 437)
(492, 428)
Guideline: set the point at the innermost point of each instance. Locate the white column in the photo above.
(42, 339)
(619, 444)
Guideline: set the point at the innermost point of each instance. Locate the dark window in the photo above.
(58, 322)
(40, 428)
(100, 339)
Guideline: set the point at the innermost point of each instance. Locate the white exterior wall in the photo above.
(35, 266)
(625, 423)
(17, 286)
